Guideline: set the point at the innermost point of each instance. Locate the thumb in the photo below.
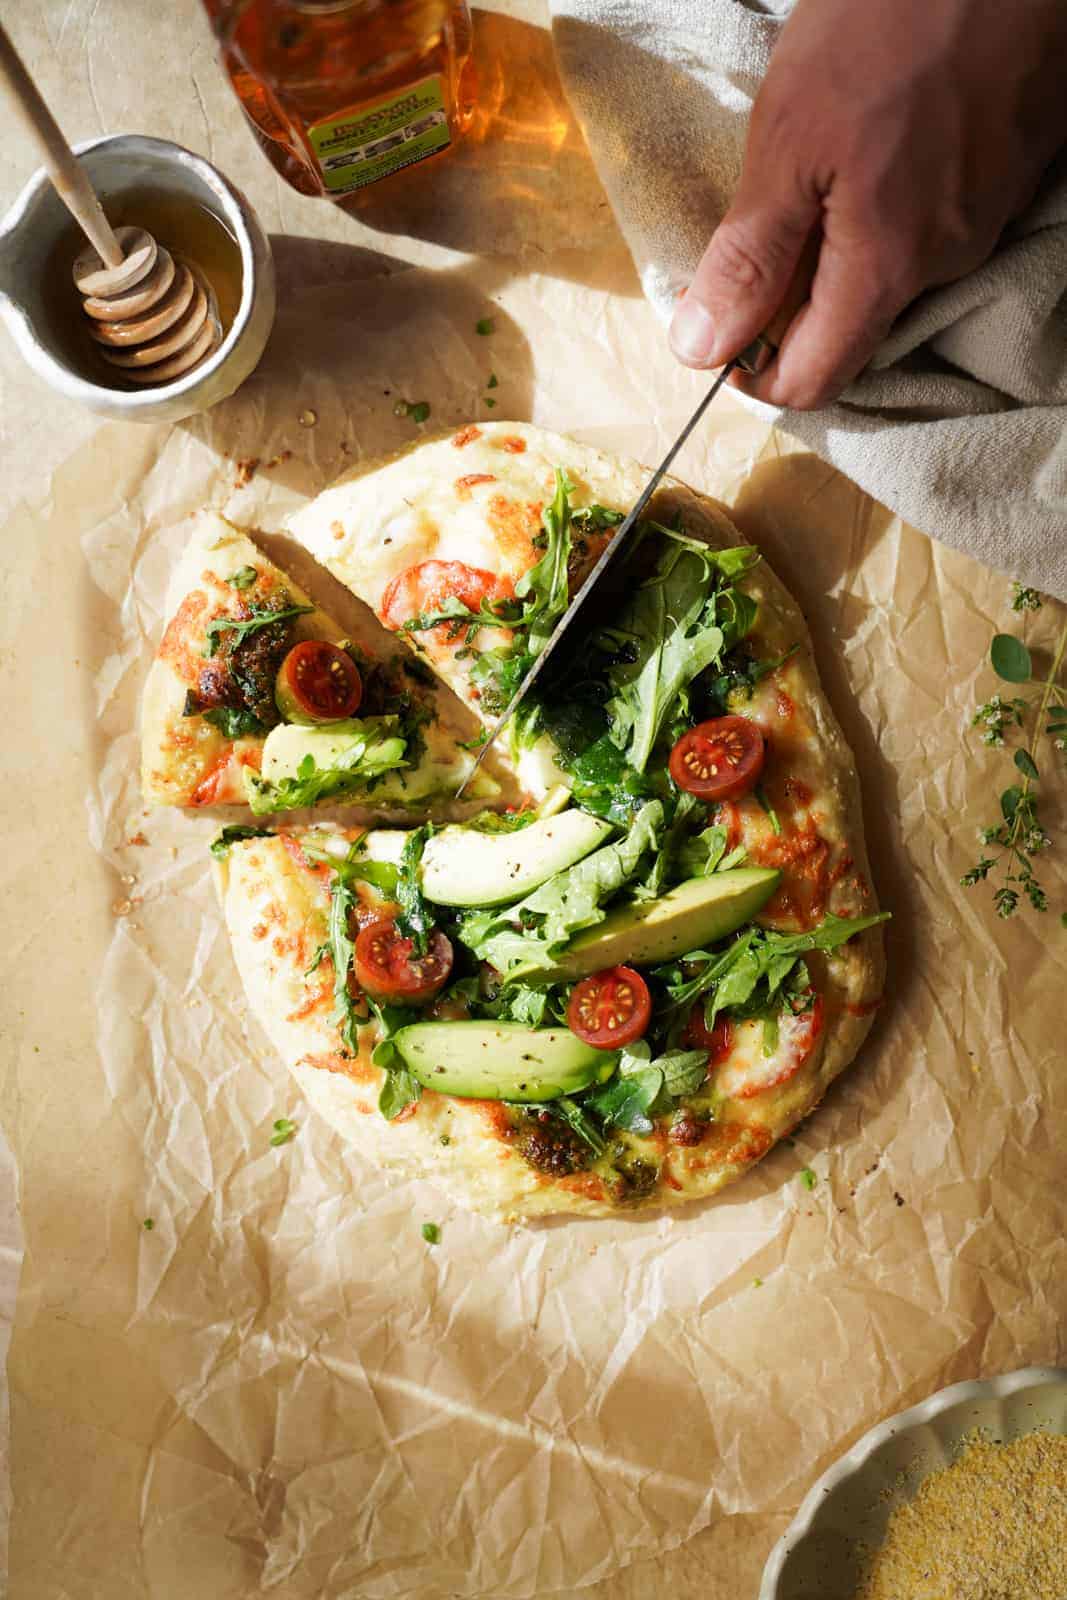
(745, 271)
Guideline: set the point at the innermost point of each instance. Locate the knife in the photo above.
(752, 360)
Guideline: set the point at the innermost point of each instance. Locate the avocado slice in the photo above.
(440, 769)
(501, 1060)
(694, 914)
(465, 867)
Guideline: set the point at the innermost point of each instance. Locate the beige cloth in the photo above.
(958, 423)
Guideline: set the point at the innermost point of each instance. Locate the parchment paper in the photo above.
(279, 1388)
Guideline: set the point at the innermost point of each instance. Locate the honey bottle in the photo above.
(343, 94)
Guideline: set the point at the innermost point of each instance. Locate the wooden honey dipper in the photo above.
(152, 316)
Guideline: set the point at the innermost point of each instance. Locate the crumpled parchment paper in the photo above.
(280, 1387)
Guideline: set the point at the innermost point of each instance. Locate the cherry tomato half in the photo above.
(318, 682)
(387, 967)
(610, 1008)
(427, 586)
(720, 759)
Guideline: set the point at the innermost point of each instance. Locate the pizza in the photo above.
(622, 987)
(257, 698)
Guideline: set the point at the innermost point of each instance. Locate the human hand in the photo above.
(911, 132)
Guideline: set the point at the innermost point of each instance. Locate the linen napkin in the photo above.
(959, 422)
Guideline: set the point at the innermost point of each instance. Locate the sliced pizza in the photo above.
(623, 998)
(256, 697)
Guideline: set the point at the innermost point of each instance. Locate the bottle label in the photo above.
(369, 143)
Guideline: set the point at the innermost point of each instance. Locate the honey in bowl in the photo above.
(190, 232)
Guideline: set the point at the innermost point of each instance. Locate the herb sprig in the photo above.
(1019, 836)
(241, 627)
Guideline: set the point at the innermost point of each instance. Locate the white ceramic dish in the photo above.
(819, 1557)
(116, 165)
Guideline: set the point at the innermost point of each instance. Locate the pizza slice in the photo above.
(257, 697)
(469, 546)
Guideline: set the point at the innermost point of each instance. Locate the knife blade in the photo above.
(752, 359)
(616, 547)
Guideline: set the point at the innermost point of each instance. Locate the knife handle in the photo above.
(764, 347)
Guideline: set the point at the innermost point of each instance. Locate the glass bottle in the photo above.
(343, 94)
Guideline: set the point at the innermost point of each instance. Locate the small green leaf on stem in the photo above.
(1010, 658)
(1026, 764)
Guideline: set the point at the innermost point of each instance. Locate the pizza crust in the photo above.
(262, 886)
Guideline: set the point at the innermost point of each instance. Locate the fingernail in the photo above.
(692, 334)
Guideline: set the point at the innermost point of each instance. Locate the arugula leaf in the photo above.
(733, 562)
(673, 641)
(243, 578)
(535, 929)
(664, 870)
(343, 903)
(628, 1098)
(521, 1002)
(704, 853)
(416, 920)
(231, 833)
(683, 1071)
(644, 1086)
(572, 1113)
(235, 722)
(241, 627)
(399, 1089)
(737, 678)
(547, 582)
(754, 970)
(502, 821)
(496, 674)
(377, 747)
(461, 618)
(350, 868)
(606, 784)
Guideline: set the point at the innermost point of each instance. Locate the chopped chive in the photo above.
(490, 403)
(494, 381)
(419, 411)
(148, 1224)
(484, 327)
(283, 1131)
(808, 1178)
(431, 1232)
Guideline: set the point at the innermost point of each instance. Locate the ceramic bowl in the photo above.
(820, 1555)
(38, 219)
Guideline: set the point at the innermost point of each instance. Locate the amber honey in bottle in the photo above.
(343, 94)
